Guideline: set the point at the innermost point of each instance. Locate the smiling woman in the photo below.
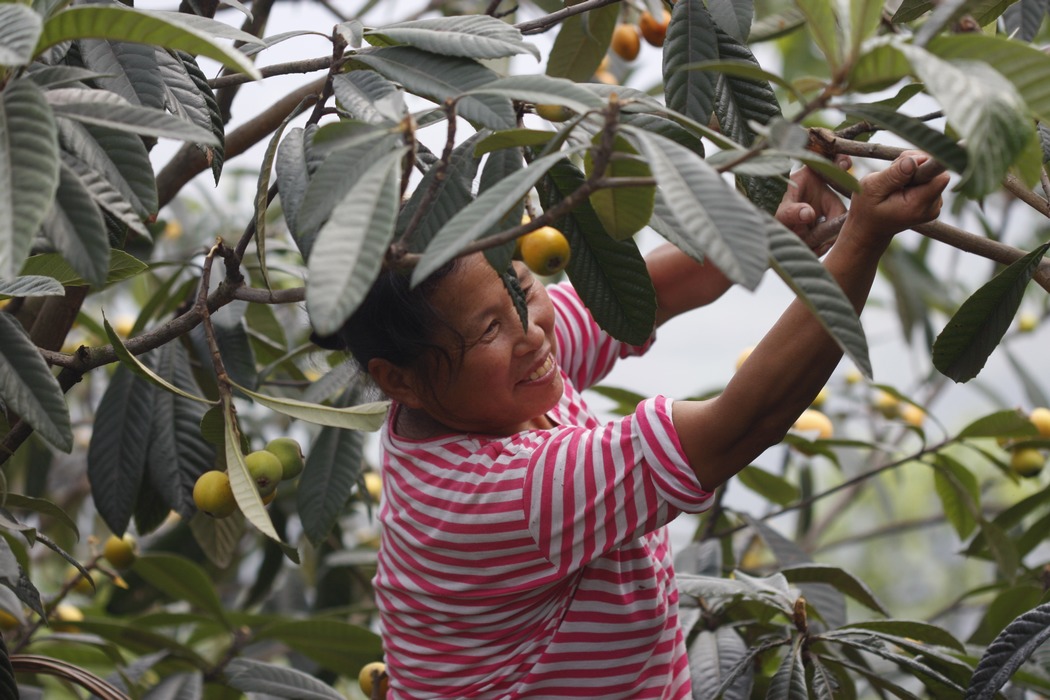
(523, 540)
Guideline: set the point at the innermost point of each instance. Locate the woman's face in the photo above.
(506, 378)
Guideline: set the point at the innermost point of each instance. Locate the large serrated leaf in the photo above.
(440, 78)
(120, 157)
(178, 686)
(182, 579)
(119, 443)
(31, 286)
(801, 270)
(789, 681)
(582, 43)
(178, 453)
(969, 338)
(713, 655)
(369, 97)
(471, 36)
(331, 183)
(129, 70)
(106, 196)
(610, 276)
(334, 644)
(542, 89)
(249, 675)
(75, 228)
(189, 97)
(735, 17)
(28, 387)
(697, 206)
(349, 250)
(984, 107)
(333, 468)
(1023, 19)
(126, 24)
(292, 175)
(499, 166)
(915, 629)
(447, 195)
(20, 28)
(29, 169)
(691, 38)
(478, 218)
(108, 109)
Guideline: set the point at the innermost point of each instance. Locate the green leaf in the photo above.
(441, 78)
(121, 267)
(610, 276)
(29, 388)
(332, 182)
(973, 333)
(120, 157)
(789, 682)
(478, 218)
(129, 70)
(29, 165)
(707, 218)
(713, 657)
(624, 211)
(126, 24)
(293, 178)
(1007, 423)
(349, 250)
(959, 492)
(31, 286)
(582, 43)
(800, 269)
(879, 67)
(245, 491)
(332, 470)
(249, 675)
(219, 538)
(366, 416)
(182, 579)
(470, 36)
(768, 485)
(498, 167)
(864, 19)
(542, 89)
(178, 453)
(43, 506)
(1008, 652)
(986, 110)
(75, 228)
(20, 27)
(106, 197)
(826, 28)
(690, 40)
(840, 579)
(142, 370)
(369, 97)
(109, 109)
(916, 667)
(920, 631)
(119, 443)
(513, 138)
(734, 17)
(334, 644)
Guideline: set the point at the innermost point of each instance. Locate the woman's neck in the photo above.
(416, 424)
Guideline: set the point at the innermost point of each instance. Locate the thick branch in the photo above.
(307, 65)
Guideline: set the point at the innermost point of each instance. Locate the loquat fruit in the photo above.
(290, 453)
(654, 30)
(213, 494)
(626, 43)
(370, 675)
(813, 420)
(545, 250)
(1040, 417)
(1027, 461)
(120, 551)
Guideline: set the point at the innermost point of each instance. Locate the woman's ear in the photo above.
(399, 383)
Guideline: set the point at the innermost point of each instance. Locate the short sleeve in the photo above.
(589, 491)
(586, 353)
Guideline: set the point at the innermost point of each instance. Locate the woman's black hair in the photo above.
(395, 322)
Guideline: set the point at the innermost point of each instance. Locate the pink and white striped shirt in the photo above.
(537, 565)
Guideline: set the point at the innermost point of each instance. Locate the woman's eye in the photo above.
(492, 328)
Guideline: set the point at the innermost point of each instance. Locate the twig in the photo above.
(439, 174)
(542, 24)
(308, 65)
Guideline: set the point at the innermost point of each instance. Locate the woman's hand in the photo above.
(809, 201)
(891, 201)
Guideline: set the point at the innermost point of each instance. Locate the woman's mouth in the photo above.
(543, 369)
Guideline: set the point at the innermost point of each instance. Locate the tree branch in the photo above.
(542, 24)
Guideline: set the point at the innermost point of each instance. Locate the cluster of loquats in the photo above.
(282, 459)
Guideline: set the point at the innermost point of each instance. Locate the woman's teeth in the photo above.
(544, 368)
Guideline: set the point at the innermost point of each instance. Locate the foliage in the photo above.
(213, 363)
